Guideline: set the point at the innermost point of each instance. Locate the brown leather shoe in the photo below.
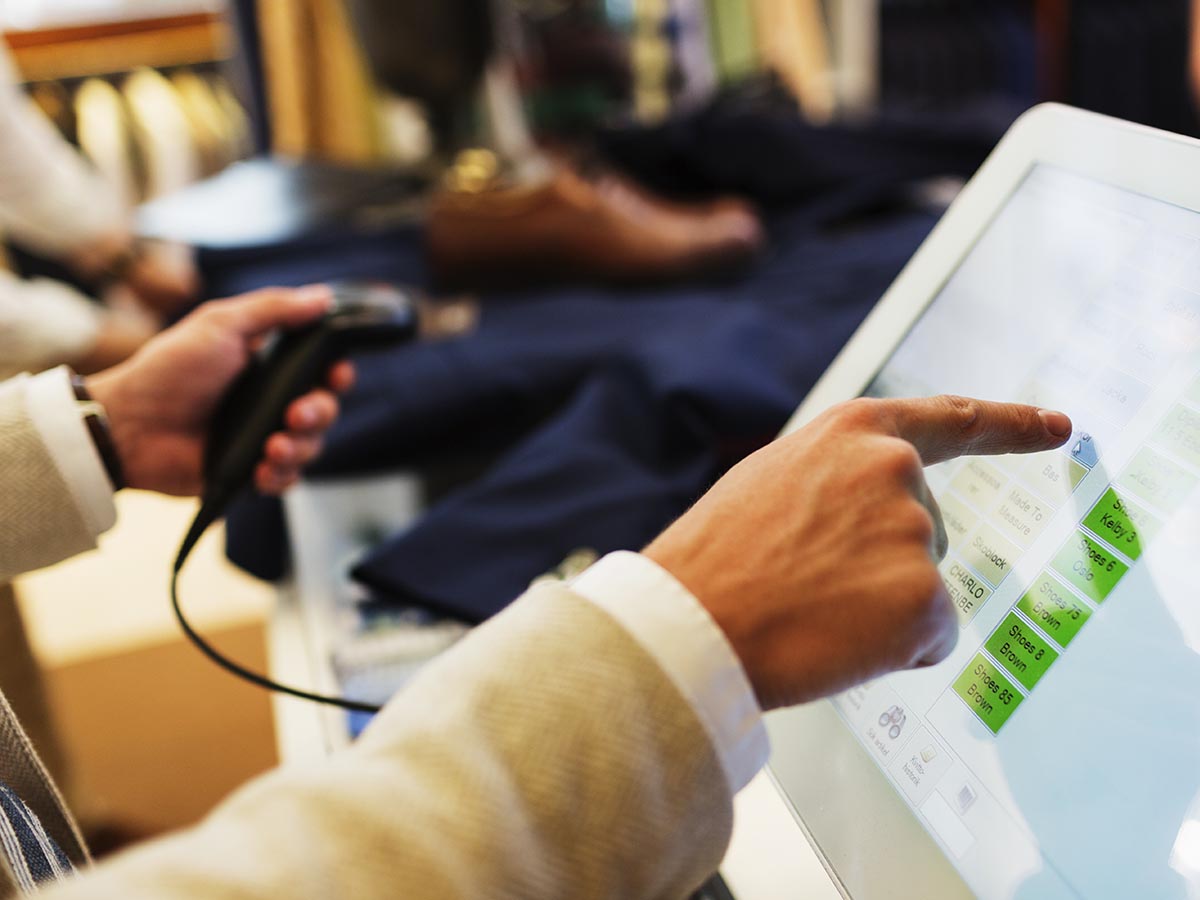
(602, 229)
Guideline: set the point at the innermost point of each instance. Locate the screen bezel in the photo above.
(839, 800)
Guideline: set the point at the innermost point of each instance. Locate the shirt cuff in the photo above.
(57, 417)
(670, 624)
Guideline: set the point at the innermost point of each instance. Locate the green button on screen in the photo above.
(1018, 647)
(1054, 609)
(1121, 523)
(985, 689)
(1090, 566)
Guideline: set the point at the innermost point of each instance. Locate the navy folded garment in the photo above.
(736, 359)
(601, 414)
(761, 149)
(665, 398)
(605, 474)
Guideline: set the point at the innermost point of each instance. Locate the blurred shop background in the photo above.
(586, 161)
(159, 93)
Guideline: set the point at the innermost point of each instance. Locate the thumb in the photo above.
(257, 313)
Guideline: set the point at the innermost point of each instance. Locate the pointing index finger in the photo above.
(947, 426)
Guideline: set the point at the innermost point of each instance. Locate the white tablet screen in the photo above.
(1057, 753)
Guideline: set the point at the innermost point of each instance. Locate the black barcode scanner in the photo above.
(361, 318)
(296, 362)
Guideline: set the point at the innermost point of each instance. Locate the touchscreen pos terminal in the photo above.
(1056, 753)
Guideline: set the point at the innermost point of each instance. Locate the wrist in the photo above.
(679, 634)
(685, 561)
(123, 430)
(95, 418)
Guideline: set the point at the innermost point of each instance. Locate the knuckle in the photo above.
(926, 592)
(897, 458)
(921, 609)
(214, 311)
(928, 605)
(323, 411)
(914, 576)
(964, 412)
(916, 522)
(1011, 425)
(861, 412)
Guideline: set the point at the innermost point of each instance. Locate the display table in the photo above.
(318, 638)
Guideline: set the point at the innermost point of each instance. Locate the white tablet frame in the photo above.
(865, 836)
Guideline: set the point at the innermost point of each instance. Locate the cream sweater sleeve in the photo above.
(546, 755)
(55, 498)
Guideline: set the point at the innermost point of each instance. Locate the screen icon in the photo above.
(893, 720)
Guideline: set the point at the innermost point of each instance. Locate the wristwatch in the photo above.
(96, 420)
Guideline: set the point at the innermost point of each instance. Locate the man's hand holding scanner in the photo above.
(160, 401)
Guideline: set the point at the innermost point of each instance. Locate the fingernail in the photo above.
(1058, 424)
